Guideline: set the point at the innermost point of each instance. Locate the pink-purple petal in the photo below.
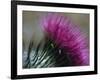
(67, 35)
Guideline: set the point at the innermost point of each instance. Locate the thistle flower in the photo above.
(67, 36)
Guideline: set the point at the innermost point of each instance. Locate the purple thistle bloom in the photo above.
(67, 36)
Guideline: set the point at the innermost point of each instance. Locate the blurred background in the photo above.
(32, 29)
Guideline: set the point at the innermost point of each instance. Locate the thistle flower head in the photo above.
(68, 36)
